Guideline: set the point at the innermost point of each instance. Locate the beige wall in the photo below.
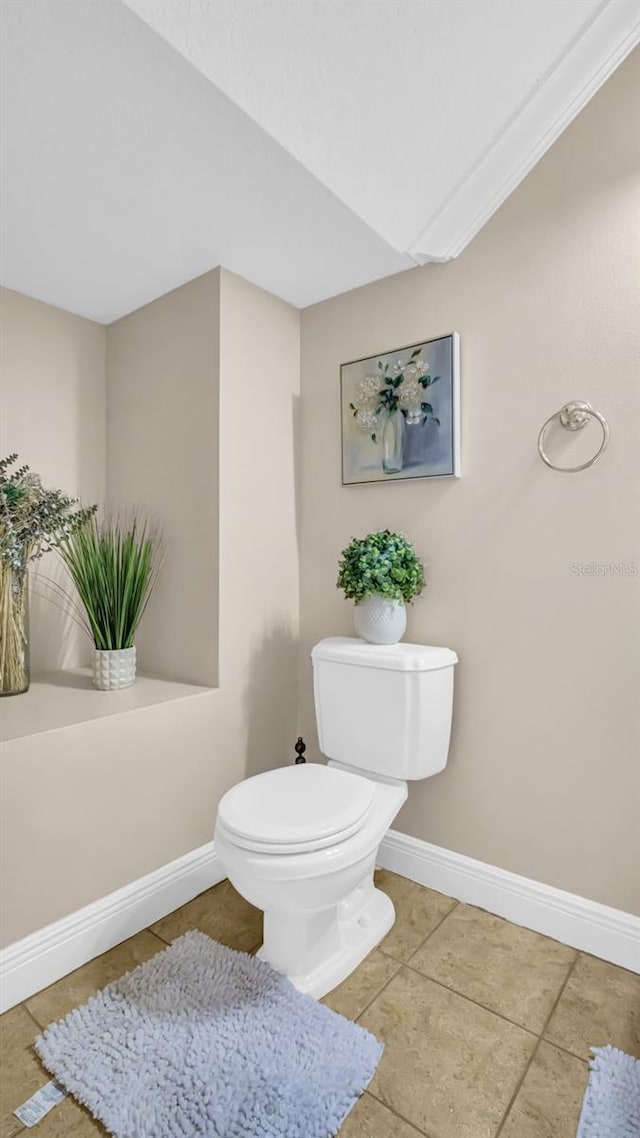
(162, 457)
(90, 808)
(259, 399)
(217, 350)
(543, 774)
(52, 399)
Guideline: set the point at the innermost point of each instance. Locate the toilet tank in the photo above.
(384, 709)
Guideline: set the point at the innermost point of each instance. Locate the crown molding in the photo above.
(580, 72)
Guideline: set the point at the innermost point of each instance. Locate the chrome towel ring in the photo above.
(574, 416)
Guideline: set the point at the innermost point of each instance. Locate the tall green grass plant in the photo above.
(114, 566)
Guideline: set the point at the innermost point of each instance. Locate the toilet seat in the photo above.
(295, 809)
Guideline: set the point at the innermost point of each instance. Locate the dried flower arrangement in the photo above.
(33, 521)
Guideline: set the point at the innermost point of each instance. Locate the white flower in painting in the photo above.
(367, 392)
(410, 394)
(422, 367)
(367, 421)
(414, 415)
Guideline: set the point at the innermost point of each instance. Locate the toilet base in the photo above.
(334, 942)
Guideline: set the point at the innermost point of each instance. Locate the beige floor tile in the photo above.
(352, 996)
(549, 1101)
(370, 1119)
(418, 912)
(16, 1031)
(75, 989)
(23, 1074)
(20, 1071)
(600, 1005)
(221, 913)
(507, 969)
(449, 1067)
(69, 1120)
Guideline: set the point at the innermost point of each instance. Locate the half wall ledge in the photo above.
(65, 698)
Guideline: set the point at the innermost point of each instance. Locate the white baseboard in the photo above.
(45, 956)
(52, 952)
(589, 926)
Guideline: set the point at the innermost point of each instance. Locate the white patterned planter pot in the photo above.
(379, 620)
(114, 668)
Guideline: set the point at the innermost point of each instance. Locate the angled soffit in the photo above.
(126, 172)
(421, 116)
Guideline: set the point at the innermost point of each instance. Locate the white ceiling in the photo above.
(310, 145)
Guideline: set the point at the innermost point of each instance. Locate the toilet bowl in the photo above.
(300, 842)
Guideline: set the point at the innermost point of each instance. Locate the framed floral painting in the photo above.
(401, 413)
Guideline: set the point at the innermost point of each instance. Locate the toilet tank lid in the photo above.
(392, 657)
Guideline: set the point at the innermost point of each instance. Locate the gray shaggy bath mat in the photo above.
(611, 1107)
(204, 1041)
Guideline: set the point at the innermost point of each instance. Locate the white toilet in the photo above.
(300, 842)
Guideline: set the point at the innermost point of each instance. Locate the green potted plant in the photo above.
(114, 567)
(381, 573)
(32, 522)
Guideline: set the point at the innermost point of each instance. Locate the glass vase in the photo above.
(14, 629)
(393, 443)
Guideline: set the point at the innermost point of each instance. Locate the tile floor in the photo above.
(487, 1026)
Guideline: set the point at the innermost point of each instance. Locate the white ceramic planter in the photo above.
(114, 668)
(380, 621)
